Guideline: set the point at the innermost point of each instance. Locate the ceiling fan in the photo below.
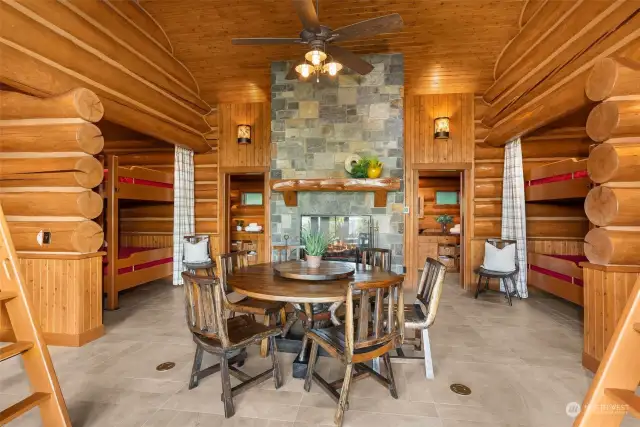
(320, 39)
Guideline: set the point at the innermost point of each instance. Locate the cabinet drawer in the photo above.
(451, 250)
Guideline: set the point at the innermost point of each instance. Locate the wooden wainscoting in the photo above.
(66, 296)
(606, 290)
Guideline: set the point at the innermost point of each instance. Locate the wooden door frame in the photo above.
(412, 222)
(224, 174)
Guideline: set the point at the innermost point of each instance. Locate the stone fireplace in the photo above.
(316, 126)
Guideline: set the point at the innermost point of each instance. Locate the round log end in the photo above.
(603, 163)
(89, 172)
(598, 247)
(90, 204)
(88, 105)
(90, 138)
(601, 80)
(602, 121)
(601, 206)
(87, 237)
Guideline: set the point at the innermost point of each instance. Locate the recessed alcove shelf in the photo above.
(379, 186)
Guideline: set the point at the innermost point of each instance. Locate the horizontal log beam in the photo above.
(529, 9)
(551, 105)
(549, 15)
(76, 104)
(85, 204)
(479, 108)
(542, 210)
(561, 148)
(613, 206)
(609, 78)
(107, 78)
(614, 162)
(103, 45)
(25, 136)
(146, 226)
(106, 17)
(84, 171)
(140, 18)
(484, 227)
(614, 119)
(594, 30)
(488, 189)
(65, 236)
(41, 78)
(605, 247)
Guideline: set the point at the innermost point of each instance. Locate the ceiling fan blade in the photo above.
(308, 15)
(292, 74)
(265, 40)
(369, 28)
(349, 59)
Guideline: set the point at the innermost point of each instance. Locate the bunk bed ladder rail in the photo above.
(29, 343)
(612, 393)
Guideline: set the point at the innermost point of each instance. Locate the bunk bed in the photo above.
(560, 275)
(126, 267)
(561, 180)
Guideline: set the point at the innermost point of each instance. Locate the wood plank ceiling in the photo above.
(449, 45)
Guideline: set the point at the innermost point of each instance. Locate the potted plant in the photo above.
(444, 220)
(360, 169)
(315, 245)
(239, 224)
(375, 167)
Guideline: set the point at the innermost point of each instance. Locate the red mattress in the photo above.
(138, 181)
(577, 259)
(557, 178)
(126, 252)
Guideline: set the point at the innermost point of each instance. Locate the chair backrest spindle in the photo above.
(376, 257)
(430, 287)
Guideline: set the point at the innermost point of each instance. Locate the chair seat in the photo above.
(494, 274)
(241, 330)
(334, 338)
(255, 306)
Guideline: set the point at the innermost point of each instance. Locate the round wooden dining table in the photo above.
(261, 281)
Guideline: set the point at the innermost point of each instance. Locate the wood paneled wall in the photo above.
(427, 190)
(420, 113)
(66, 295)
(258, 116)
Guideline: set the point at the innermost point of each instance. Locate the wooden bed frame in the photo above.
(565, 179)
(132, 183)
(570, 291)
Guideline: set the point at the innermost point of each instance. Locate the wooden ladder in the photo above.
(613, 391)
(29, 343)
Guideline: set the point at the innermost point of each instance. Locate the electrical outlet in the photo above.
(46, 238)
(405, 210)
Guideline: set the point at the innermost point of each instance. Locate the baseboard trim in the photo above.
(61, 340)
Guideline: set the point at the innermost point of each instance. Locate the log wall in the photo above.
(427, 191)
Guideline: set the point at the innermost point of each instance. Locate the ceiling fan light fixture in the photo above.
(315, 56)
(304, 70)
(332, 68)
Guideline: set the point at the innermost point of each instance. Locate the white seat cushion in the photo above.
(501, 260)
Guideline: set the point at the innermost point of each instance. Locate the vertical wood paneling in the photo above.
(606, 291)
(421, 111)
(66, 295)
(257, 115)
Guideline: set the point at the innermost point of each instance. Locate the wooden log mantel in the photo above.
(379, 186)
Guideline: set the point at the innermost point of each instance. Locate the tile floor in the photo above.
(522, 364)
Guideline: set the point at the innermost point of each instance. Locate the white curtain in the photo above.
(514, 220)
(183, 207)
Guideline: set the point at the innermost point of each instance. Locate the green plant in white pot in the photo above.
(315, 245)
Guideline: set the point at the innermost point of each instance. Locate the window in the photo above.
(252, 199)
(447, 198)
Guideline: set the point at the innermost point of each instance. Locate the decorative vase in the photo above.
(444, 227)
(313, 261)
(239, 227)
(374, 172)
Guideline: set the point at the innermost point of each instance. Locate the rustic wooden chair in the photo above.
(227, 338)
(378, 332)
(376, 257)
(505, 277)
(283, 253)
(420, 315)
(226, 264)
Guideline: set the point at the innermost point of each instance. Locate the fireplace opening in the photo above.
(348, 234)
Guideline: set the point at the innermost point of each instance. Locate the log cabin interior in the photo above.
(126, 125)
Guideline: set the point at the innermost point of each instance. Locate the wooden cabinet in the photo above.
(432, 246)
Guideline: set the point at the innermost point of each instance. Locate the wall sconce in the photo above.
(441, 128)
(244, 134)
